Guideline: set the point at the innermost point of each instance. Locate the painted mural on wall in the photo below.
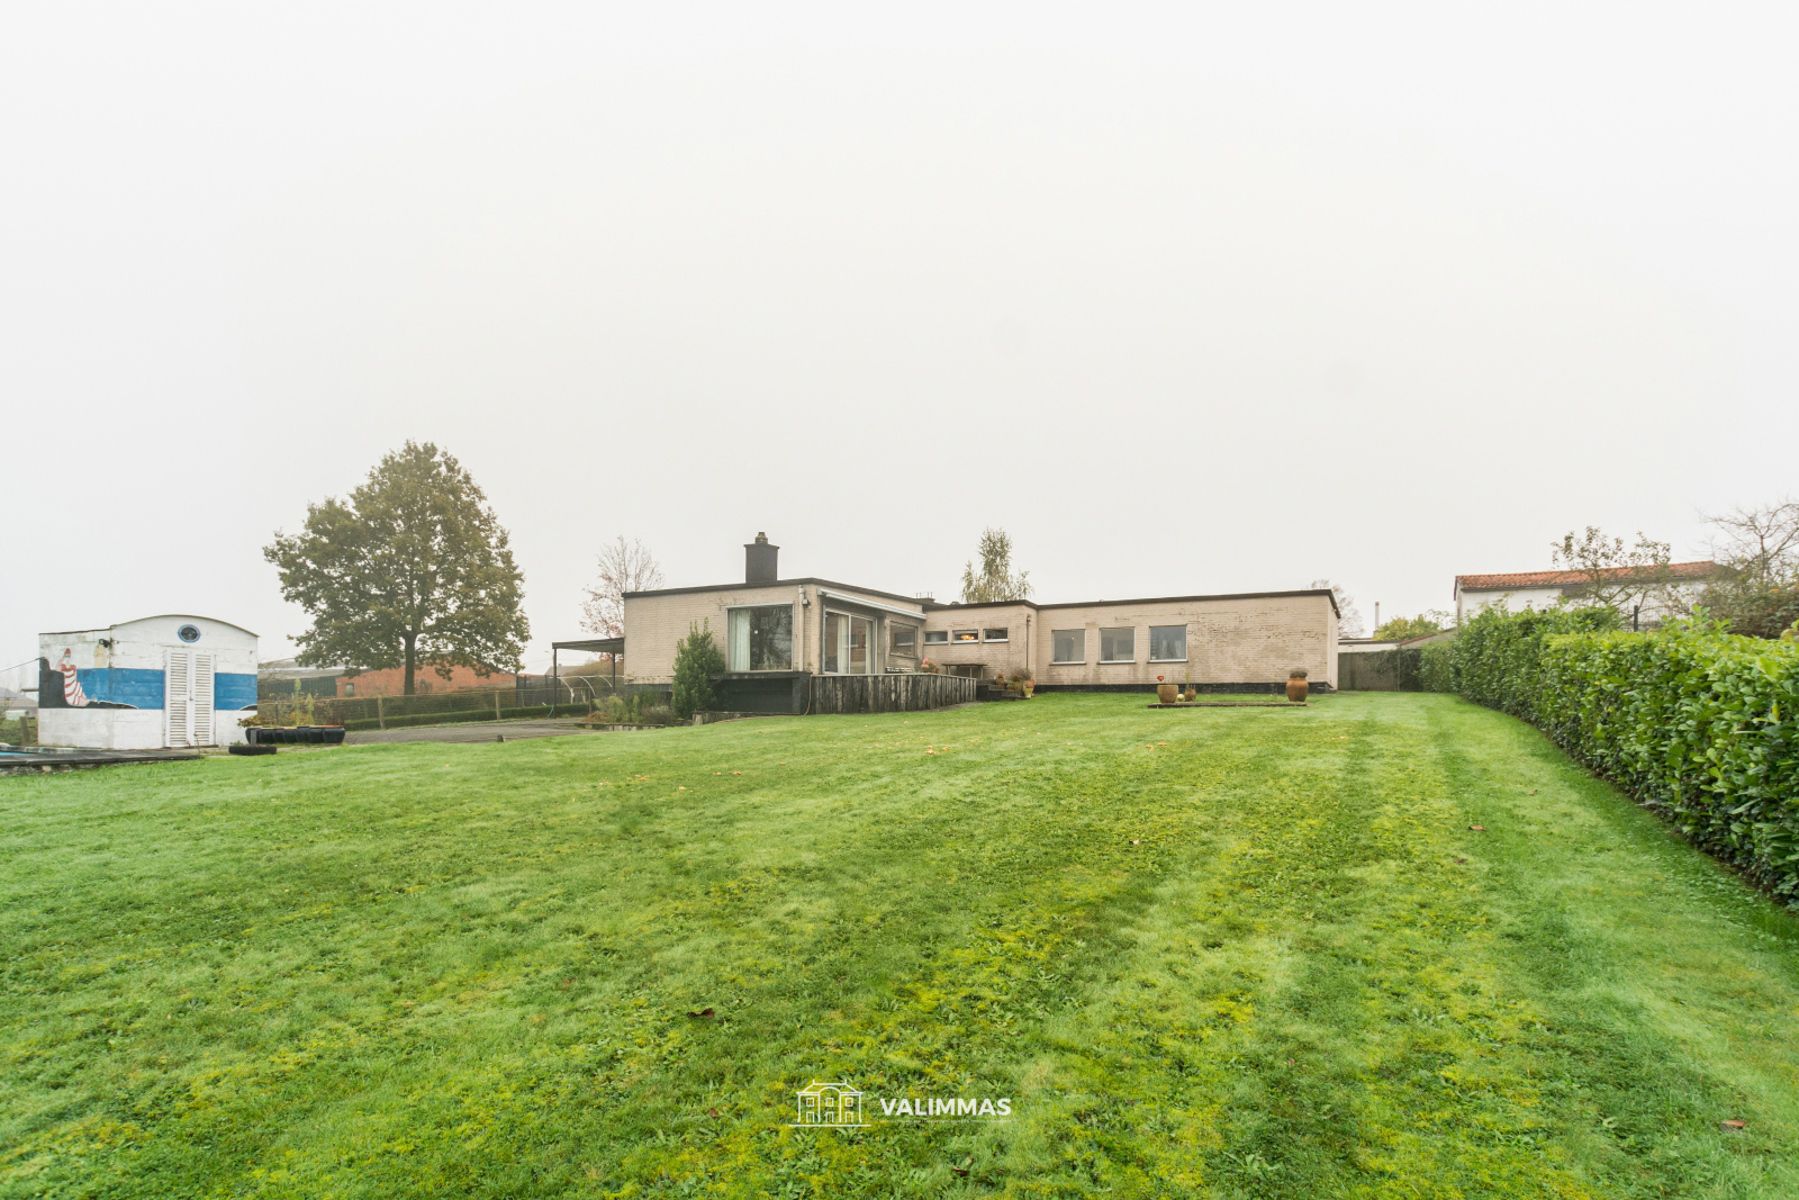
(67, 685)
(98, 669)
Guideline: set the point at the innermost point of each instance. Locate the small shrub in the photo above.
(697, 661)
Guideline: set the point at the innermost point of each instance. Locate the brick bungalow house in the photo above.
(773, 628)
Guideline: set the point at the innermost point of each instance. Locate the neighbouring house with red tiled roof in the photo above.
(1670, 590)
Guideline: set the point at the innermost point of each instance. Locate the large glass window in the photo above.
(903, 642)
(1118, 645)
(762, 638)
(1168, 643)
(1070, 646)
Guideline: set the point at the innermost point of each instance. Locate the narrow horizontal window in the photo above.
(935, 637)
(966, 635)
(993, 635)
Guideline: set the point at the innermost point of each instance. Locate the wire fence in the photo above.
(538, 696)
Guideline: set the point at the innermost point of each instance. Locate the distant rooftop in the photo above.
(1527, 579)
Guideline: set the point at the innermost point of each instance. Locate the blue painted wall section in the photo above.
(142, 687)
(231, 692)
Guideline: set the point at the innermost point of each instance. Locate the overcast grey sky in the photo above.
(1188, 298)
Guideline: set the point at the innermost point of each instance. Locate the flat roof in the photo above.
(951, 607)
(935, 606)
(738, 587)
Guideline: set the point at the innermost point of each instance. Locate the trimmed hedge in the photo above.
(1697, 724)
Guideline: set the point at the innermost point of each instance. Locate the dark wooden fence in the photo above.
(1381, 671)
(889, 693)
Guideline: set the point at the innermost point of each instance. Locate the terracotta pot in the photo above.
(1297, 688)
(1166, 692)
(1191, 694)
(1029, 688)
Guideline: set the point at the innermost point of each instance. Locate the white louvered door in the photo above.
(177, 699)
(187, 697)
(200, 699)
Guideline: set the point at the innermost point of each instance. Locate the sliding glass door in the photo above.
(849, 644)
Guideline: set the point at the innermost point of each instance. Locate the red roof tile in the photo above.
(1526, 579)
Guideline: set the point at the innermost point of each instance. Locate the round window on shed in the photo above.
(188, 633)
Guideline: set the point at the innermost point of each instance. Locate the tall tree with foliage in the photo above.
(698, 661)
(1400, 629)
(994, 580)
(412, 568)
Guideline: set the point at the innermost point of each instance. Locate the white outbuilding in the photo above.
(168, 681)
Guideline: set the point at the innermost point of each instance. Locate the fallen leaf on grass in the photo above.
(1136, 841)
(1478, 828)
(962, 1168)
(705, 1014)
(1733, 1124)
(712, 1112)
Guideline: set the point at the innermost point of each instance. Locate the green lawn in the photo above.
(1242, 952)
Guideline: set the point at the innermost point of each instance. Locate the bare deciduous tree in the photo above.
(1627, 577)
(1760, 544)
(624, 565)
(1758, 593)
(1349, 617)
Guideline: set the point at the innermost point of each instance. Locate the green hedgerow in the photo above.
(1698, 724)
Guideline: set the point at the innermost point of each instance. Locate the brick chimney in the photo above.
(759, 560)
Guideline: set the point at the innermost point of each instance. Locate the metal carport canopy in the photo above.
(613, 646)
